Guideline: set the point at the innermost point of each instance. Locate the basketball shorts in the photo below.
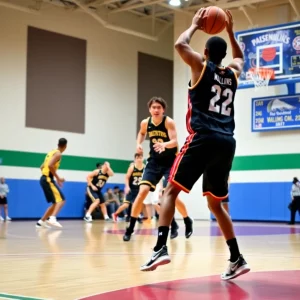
(3, 201)
(153, 173)
(210, 155)
(130, 197)
(51, 190)
(95, 195)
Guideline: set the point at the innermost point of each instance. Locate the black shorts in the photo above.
(51, 190)
(95, 195)
(130, 197)
(3, 201)
(153, 173)
(210, 155)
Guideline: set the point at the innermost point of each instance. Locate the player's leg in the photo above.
(225, 204)
(215, 188)
(103, 207)
(186, 170)
(95, 198)
(148, 205)
(183, 211)
(151, 177)
(125, 205)
(50, 199)
(59, 203)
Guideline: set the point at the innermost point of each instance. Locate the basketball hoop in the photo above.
(261, 77)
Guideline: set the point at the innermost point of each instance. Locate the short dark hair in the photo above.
(99, 164)
(217, 48)
(159, 100)
(138, 155)
(62, 142)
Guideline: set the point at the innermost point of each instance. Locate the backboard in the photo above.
(276, 47)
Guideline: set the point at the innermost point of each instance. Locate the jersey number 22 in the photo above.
(223, 109)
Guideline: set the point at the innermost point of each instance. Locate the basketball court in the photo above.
(91, 261)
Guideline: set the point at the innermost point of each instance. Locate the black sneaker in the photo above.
(127, 235)
(236, 269)
(174, 231)
(158, 258)
(189, 227)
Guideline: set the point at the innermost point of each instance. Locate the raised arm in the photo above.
(238, 57)
(106, 169)
(194, 59)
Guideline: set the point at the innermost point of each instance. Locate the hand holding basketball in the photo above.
(198, 19)
(229, 21)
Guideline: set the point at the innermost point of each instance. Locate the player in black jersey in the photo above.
(210, 147)
(163, 150)
(96, 181)
(132, 179)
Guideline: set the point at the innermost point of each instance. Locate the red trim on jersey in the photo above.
(179, 157)
(189, 116)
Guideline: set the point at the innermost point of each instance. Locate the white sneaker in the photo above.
(8, 218)
(88, 219)
(1, 218)
(53, 222)
(41, 224)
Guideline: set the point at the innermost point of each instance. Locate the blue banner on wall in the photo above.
(276, 113)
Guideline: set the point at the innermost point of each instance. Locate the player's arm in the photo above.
(55, 158)
(127, 178)
(170, 125)
(89, 179)
(238, 57)
(141, 136)
(194, 59)
(106, 169)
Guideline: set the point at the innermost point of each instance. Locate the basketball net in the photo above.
(261, 77)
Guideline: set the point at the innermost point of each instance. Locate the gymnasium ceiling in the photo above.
(158, 13)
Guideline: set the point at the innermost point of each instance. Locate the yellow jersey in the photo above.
(45, 169)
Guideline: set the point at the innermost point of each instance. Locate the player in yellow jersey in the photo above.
(51, 188)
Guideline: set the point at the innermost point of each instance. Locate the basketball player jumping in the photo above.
(96, 181)
(51, 188)
(210, 147)
(132, 179)
(163, 150)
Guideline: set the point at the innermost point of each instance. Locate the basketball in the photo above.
(215, 20)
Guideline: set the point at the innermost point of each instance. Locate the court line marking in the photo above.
(128, 254)
(15, 295)
(188, 278)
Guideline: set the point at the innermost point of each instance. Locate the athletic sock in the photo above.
(162, 237)
(234, 249)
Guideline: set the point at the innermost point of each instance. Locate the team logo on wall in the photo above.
(296, 43)
(278, 105)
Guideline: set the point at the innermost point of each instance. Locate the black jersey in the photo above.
(210, 107)
(100, 179)
(159, 134)
(135, 178)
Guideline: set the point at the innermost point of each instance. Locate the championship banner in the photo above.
(275, 113)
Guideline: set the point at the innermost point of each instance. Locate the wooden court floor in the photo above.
(91, 259)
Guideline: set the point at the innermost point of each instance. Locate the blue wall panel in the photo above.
(26, 198)
(267, 201)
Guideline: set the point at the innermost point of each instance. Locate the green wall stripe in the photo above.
(69, 162)
(80, 163)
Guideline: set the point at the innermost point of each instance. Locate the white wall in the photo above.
(111, 83)
(248, 143)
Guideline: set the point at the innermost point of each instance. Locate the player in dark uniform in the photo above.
(210, 147)
(132, 179)
(96, 181)
(163, 149)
